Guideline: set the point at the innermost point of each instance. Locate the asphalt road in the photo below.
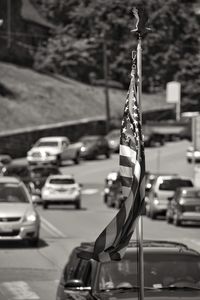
(33, 273)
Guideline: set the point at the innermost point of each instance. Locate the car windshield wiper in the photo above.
(177, 287)
(125, 288)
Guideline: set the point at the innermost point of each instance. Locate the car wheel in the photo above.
(189, 160)
(169, 219)
(107, 154)
(58, 161)
(77, 158)
(34, 242)
(176, 220)
(45, 205)
(78, 204)
(152, 215)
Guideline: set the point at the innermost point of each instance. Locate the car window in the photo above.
(18, 171)
(159, 269)
(46, 144)
(62, 181)
(12, 193)
(173, 184)
(44, 172)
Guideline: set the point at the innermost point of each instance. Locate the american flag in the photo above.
(112, 242)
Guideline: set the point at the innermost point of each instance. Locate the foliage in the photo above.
(170, 50)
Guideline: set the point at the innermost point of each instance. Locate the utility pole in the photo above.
(106, 89)
(8, 23)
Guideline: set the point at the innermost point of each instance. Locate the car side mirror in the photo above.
(169, 198)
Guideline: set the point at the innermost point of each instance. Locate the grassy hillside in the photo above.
(31, 99)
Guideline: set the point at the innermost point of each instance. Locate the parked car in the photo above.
(53, 150)
(39, 174)
(164, 187)
(184, 206)
(19, 220)
(94, 146)
(113, 138)
(152, 138)
(5, 159)
(192, 155)
(61, 189)
(171, 271)
(20, 171)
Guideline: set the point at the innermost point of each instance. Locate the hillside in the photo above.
(30, 99)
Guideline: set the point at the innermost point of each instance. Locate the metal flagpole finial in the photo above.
(141, 21)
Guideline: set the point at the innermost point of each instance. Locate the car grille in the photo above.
(8, 234)
(10, 219)
(191, 208)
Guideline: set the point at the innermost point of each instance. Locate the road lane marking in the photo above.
(51, 228)
(19, 290)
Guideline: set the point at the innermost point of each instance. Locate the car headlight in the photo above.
(83, 149)
(30, 217)
(156, 201)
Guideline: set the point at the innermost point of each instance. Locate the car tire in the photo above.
(58, 161)
(34, 242)
(78, 204)
(45, 205)
(152, 215)
(77, 158)
(107, 154)
(189, 161)
(168, 219)
(176, 220)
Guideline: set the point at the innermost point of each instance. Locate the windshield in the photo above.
(173, 184)
(159, 270)
(40, 172)
(62, 181)
(46, 144)
(12, 193)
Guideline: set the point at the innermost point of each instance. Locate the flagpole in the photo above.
(140, 29)
(140, 220)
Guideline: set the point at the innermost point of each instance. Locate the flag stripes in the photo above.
(112, 242)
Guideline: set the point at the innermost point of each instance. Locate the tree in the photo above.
(170, 50)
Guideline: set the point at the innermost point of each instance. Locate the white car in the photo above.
(19, 220)
(192, 155)
(61, 189)
(54, 150)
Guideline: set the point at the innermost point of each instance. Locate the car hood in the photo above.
(45, 149)
(13, 210)
(152, 295)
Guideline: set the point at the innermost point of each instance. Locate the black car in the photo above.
(39, 175)
(184, 206)
(94, 146)
(171, 271)
(20, 171)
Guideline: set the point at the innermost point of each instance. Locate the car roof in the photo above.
(150, 246)
(63, 176)
(12, 166)
(43, 167)
(52, 138)
(9, 179)
(191, 188)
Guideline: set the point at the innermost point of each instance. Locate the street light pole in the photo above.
(106, 90)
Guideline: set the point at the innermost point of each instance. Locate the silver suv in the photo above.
(162, 189)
